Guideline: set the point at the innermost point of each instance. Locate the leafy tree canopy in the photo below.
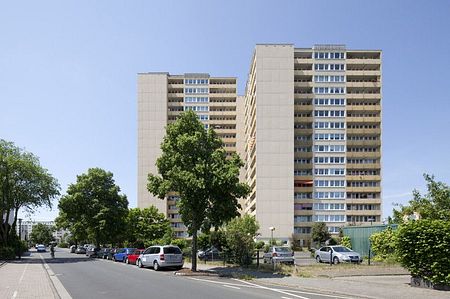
(240, 233)
(94, 208)
(319, 232)
(435, 204)
(194, 164)
(41, 234)
(24, 184)
(147, 225)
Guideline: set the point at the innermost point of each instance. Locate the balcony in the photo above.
(361, 166)
(369, 155)
(363, 142)
(301, 119)
(363, 178)
(363, 72)
(304, 72)
(372, 119)
(369, 96)
(359, 61)
(363, 107)
(303, 154)
(364, 189)
(376, 131)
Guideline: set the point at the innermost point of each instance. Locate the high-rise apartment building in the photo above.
(161, 98)
(313, 139)
(308, 129)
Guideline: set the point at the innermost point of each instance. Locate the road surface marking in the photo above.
(14, 295)
(228, 286)
(222, 283)
(20, 281)
(286, 297)
(271, 289)
(319, 294)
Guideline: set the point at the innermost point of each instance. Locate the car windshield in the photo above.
(282, 249)
(341, 249)
(173, 250)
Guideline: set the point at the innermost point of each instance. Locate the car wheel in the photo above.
(155, 266)
(335, 260)
(318, 259)
(139, 264)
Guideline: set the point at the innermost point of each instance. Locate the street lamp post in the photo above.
(271, 234)
(20, 238)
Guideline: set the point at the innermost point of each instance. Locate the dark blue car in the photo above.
(121, 254)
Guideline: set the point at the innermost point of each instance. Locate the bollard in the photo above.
(331, 257)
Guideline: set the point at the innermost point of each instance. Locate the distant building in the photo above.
(27, 228)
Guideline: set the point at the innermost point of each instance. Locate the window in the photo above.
(302, 195)
(203, 117)
(329, 78)
(329, 206)
(329, 195)
(329, 171)
(329, 160)
(329, 136)
(196, 99)
(196, 108)
(329, 218)
(196, 81)
(302, 230)
(329, 113)
(329, 55)
(329, 125)
(193, 90)
(331, 102)
(329, 90)
(329, 148)
(329, 67)
(302, 218)
(329, 183)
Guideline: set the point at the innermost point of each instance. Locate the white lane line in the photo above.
(228, 286)
(20, 281)
(319, 294)
(286, 297)
(273, 290)
(222, 283)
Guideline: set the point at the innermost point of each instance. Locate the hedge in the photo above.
(423, 247)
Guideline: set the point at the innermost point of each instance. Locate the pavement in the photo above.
(380, 285)
(26, 278)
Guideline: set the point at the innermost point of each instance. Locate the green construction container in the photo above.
(359, 236)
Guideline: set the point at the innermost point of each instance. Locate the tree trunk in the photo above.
(194, 251)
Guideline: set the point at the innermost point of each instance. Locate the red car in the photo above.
(131, 258)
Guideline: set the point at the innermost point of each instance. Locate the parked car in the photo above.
(210, 254)
(40, 248)
(279, 254)
(122, 254)
(337, 254)
(103, 253)
(132, 258)
(73, 248)
(161, 256)
(92, 251)
(111, 253)
(80, 250)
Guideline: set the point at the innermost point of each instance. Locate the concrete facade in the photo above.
(308, 129)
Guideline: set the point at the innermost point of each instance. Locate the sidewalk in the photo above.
(368, 286)
(26, 278)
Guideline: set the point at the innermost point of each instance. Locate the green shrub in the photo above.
(63, 245)
(423, 247)
(259, 244)
(7, 253)
(383, 244)
(180, 243)
(346, 241)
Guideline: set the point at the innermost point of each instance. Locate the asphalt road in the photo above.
(95, 278)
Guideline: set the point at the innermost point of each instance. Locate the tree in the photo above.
(194, 164)
(41, 234)
(346, 241)
(93, 209)
(240, 233)
(383, 244)
(435, 204)
(24, 184)
(320, 232)
(147, 225)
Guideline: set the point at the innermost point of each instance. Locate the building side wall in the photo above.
(275, 139)
(152, 119)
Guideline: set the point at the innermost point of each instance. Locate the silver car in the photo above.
(337, 254)
(161, 256)
(279, 254)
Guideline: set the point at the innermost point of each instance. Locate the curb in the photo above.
(57, 287)
(2, 263)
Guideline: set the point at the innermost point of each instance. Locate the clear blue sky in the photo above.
(68, 73)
